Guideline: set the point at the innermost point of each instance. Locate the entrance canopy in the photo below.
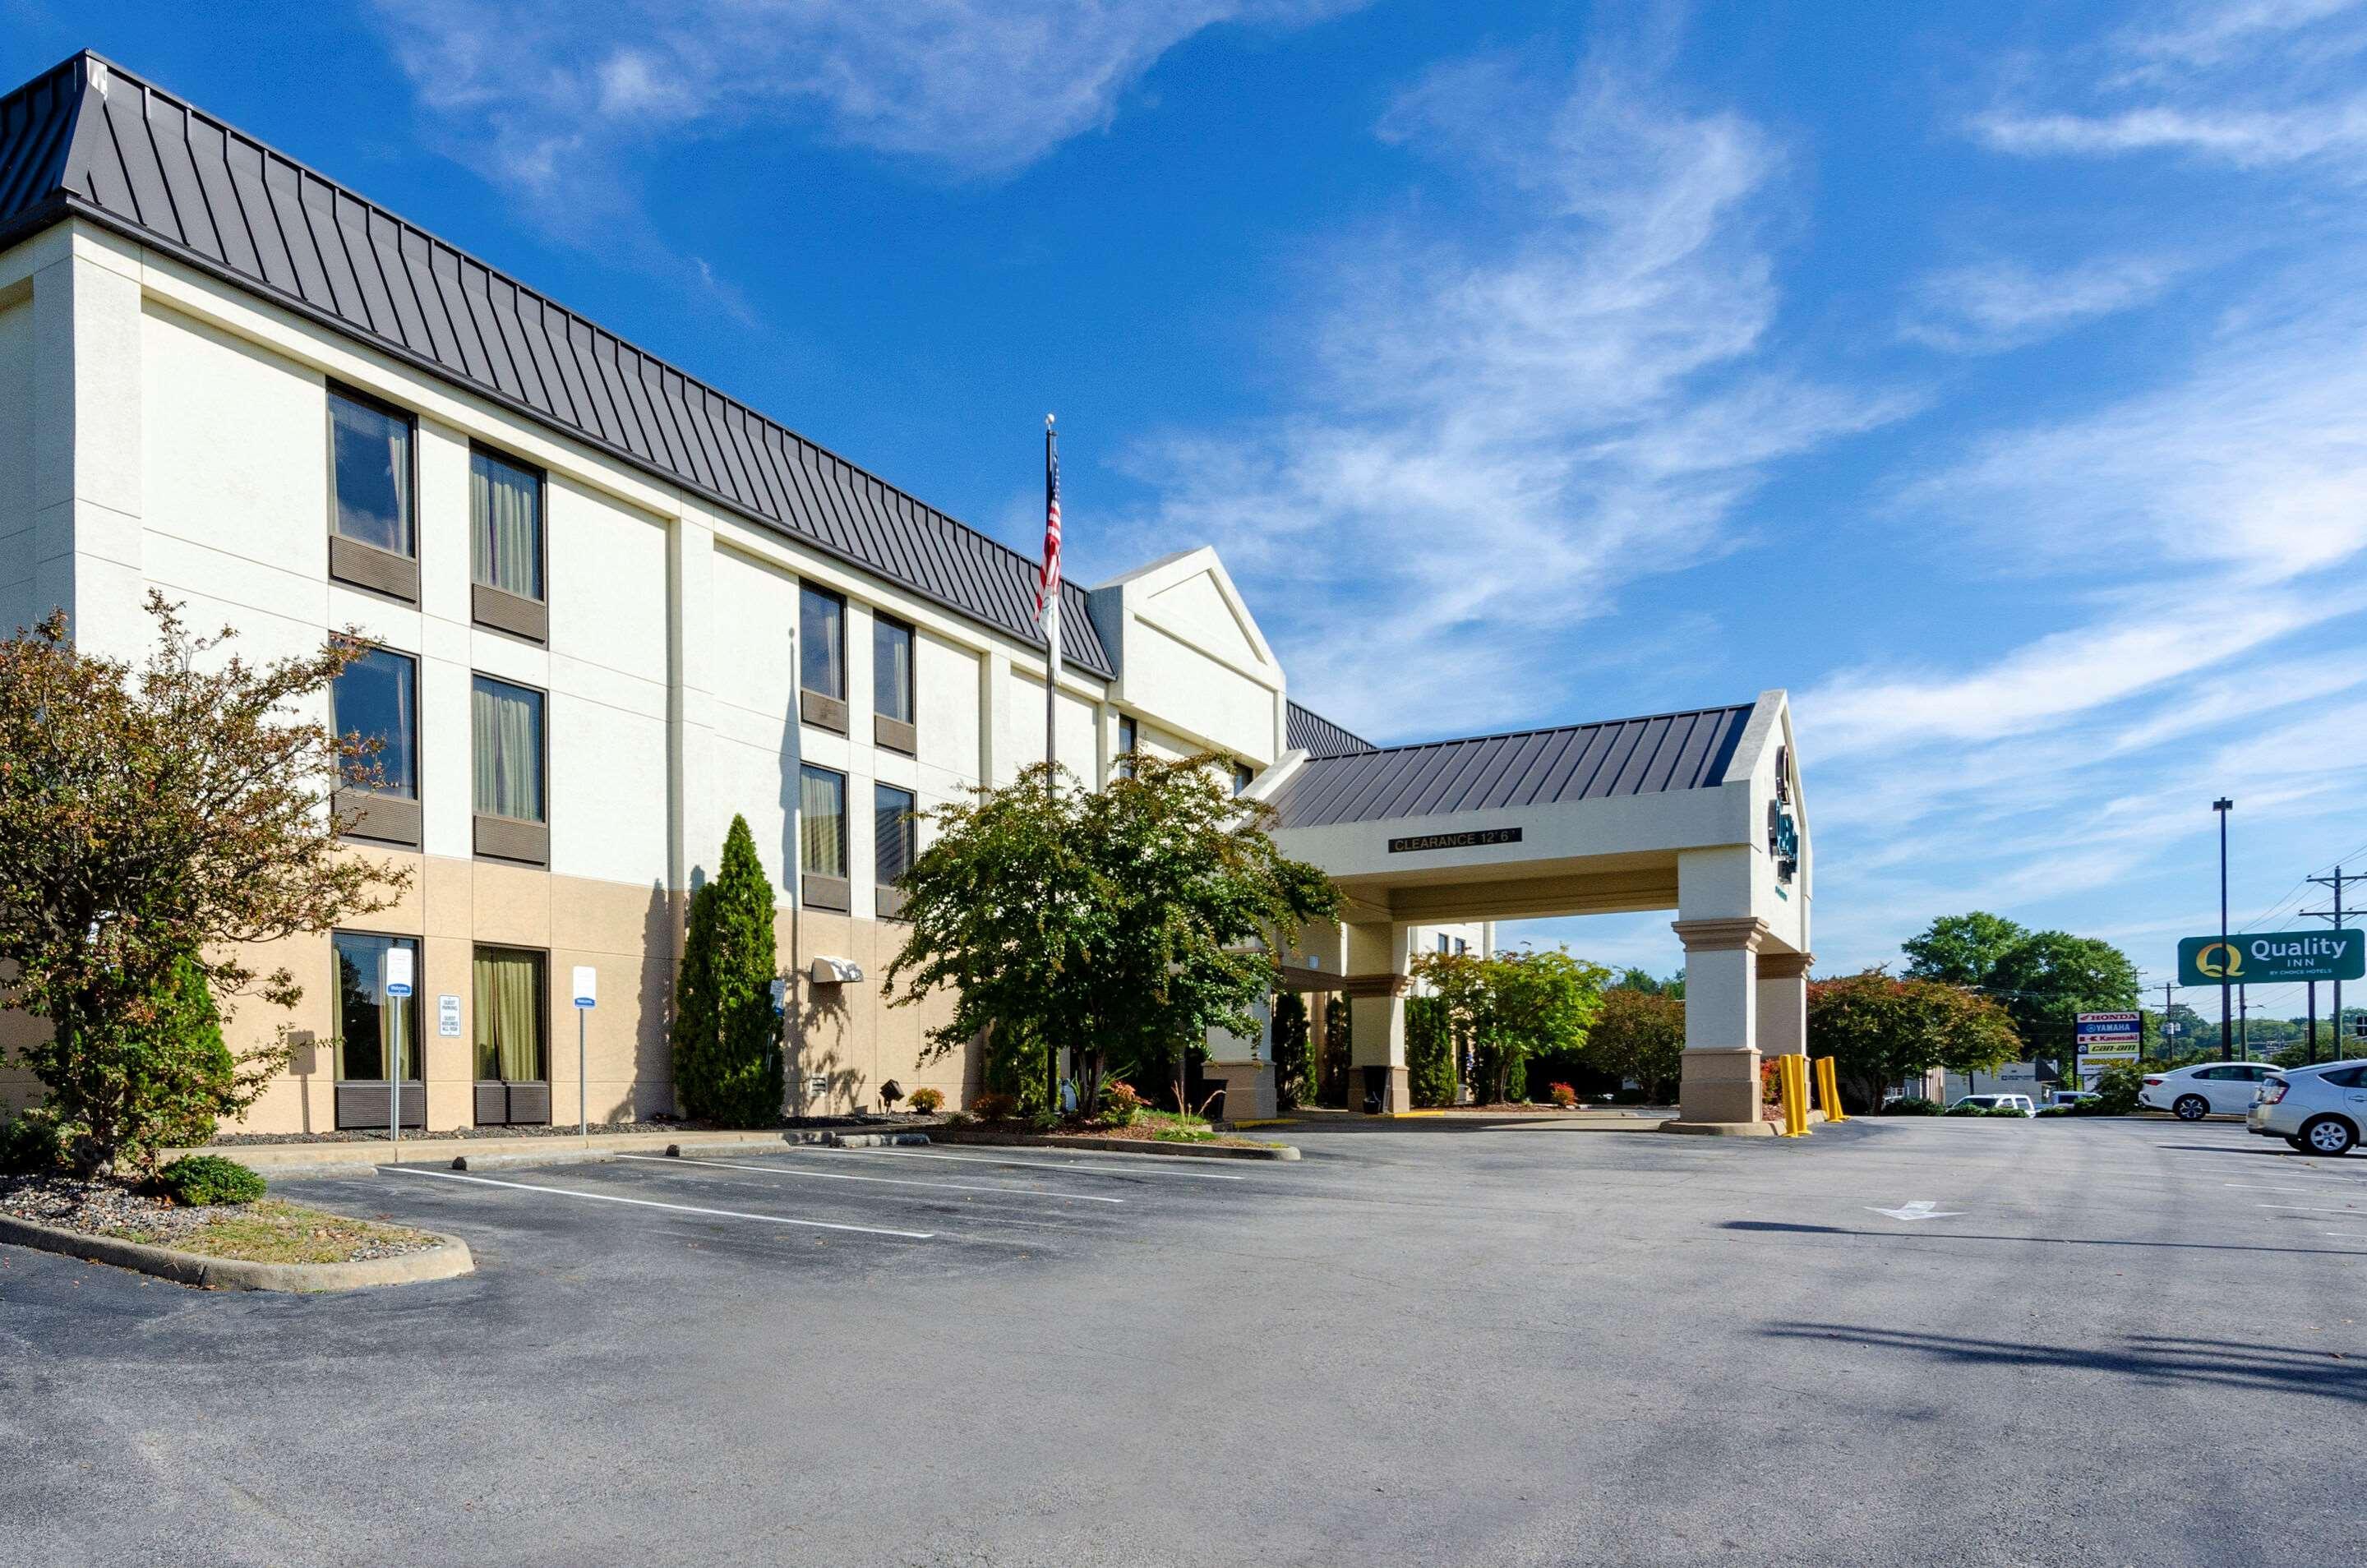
(1699, 812)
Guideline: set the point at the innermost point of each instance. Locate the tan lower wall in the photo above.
(845, 1032)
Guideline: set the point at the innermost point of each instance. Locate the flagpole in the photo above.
(1051, 706)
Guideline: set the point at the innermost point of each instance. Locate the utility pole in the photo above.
(2168, 1052)
(2313, 1023)
(2226, 1031)
(2244, 1012)
(2336, 914)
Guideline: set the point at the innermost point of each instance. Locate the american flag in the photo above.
(1047, 582)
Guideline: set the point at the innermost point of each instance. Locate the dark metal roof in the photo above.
(90, 139)
(1307, 730)
(1532, 767)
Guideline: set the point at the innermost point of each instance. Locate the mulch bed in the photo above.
(113, 1207)
(1140, 1132)
(556, 1130)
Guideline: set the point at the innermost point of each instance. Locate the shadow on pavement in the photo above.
(2151, 1357)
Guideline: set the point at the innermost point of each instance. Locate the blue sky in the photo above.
(1994, 378)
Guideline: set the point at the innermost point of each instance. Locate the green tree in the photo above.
(1338, 1049)
(1640, 1034)
(1962, 950)
(2049, 978)
(1430, 1051)
(1634, 979)
(1293, 1052)
(727, 1036)
(1118, 925)
(1880, 1029)
(1514, 1007)
(156, 818)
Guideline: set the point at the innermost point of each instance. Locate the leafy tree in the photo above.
(1640, 1034)
(1962, 950)
(1117, 925)
(1294, 1053)
(1515, 1005)
(1880, 1029)
(1430, 1051)
(1338, 1052)
(2047, 979)
(174, 814)
(1634, 979)
(727, 1037)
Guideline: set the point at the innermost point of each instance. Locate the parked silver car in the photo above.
(2318, 1110)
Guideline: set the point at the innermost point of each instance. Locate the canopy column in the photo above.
(1378, 960)
(1719, 1086)
(1244, 1064)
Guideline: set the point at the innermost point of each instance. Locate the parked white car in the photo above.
(2020, 1102)
(2224, 1089)
(2318, 1110)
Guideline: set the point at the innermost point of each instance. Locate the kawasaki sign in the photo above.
(2259, 958)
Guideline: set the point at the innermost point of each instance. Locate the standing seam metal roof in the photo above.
(1307, 730)
(1532, 767)
(88, 138)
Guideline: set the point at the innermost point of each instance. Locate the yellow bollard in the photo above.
(1829, 1088)
(1792, 1072)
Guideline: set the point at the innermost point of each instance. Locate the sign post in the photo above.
(395, 979)
(2106, 1037)
(587, 997)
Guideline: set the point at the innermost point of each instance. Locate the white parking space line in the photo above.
(652, 1203)
(1027, 1164)
(2256, 1187)
(881, 1180)
(2309, 1209)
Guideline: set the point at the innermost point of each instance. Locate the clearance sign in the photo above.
(2260, 958)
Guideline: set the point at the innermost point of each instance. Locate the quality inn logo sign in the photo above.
(2259, 958)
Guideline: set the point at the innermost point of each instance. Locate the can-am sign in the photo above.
(2260, 958)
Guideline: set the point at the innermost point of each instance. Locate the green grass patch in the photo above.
(273, 1230)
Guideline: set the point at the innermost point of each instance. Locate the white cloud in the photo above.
(1500, 428)
(1997, 305)
(549, 95)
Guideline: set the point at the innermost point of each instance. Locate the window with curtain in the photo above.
(894, 837)
(372, 1027)
(369, 452)
(821, 642)
(506, 514)
(508, 1002)
(821, 822)
(1127, 738)
(376, 697)
(506, 735)
(891, 669)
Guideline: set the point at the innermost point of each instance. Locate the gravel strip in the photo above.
(116, 1208)
(556, 1130)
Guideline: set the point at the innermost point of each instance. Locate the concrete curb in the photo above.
(1114, 1145)
(232, 1274)
(1721, 1129)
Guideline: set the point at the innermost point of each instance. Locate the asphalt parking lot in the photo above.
(2112, 1341)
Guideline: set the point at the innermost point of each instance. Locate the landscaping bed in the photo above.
(559, 1130)
(267, 1231)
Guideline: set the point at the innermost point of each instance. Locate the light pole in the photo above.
(2226, 1009)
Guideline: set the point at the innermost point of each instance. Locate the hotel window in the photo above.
(1462, 946)
(373, 541)
(513, 1048)
(1128, 737)
(821, 837)
(821, 659)
(505, 545)
(375, 699)
(894, 841)
(1242, 777)
(891, 685)
(1442, 942)
(506, 747)
(374, 1030)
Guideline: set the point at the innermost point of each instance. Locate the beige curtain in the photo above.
(821, 822)
(509, 1015)
(892, 669)
(507, 743)
(821, 642)
(506, 502)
